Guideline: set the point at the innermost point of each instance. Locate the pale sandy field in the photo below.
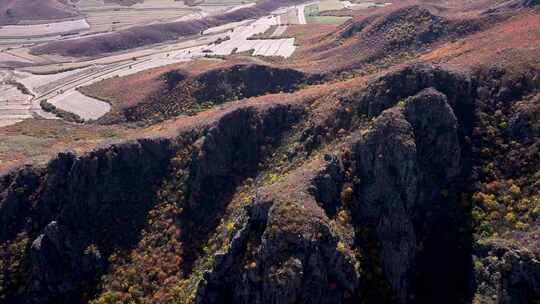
(86, 107)
(14, 105)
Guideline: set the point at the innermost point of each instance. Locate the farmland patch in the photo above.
(330, 5)
(85, 107)
(45, 29)
(313, 14)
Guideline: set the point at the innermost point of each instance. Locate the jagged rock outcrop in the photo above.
(94, 203)
(505, 273)
(407, 162)
(389, 90)
(391, 142)
(15, 190)
(285, 252)
(75, 186)
(59, 266)
(228, 153)
(326, 186)
(234, 147)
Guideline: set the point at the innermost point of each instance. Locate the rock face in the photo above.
(73, 188)
(59, 267)
(390, 143)
(227, 154)
(96, 201)
(411, 155)
(233, 148)
(15, 188)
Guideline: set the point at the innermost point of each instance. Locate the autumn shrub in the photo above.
(506, 169)
(150, 272)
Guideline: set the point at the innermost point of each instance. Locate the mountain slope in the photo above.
(416, 181)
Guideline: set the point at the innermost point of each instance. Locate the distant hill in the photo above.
(154, 33)
(15, 11)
